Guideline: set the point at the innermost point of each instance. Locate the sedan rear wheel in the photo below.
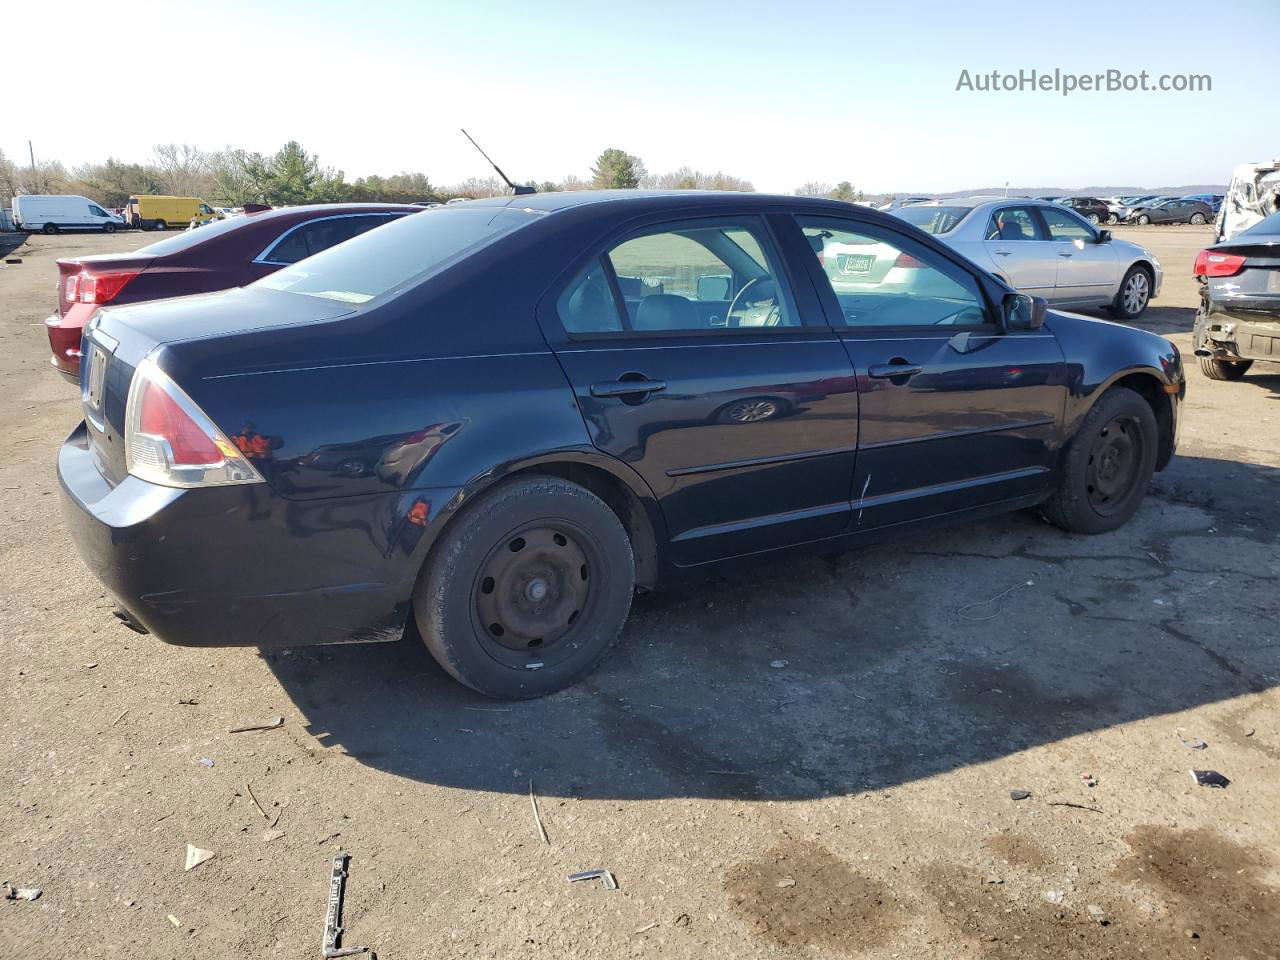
(1093, 218)
(1218, 369)
(1133, 296)
(1107, 466)
(1143, 220)
(1197, 218)
(525, 593)
(1112, 219)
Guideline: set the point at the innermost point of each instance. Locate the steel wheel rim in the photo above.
(752, 411)
(1135, 293)
(1113, 467)
(532, 589)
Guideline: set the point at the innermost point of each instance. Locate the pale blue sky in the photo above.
(779, 93)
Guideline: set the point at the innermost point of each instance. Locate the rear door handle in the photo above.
(1065, 254)
(624, 388)
(887, 371)
(1003, 253)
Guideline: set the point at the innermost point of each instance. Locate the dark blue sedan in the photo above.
(501, 418)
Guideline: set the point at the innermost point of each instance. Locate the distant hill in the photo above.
(1090, 191)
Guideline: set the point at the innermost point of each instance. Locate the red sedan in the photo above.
(228, 253)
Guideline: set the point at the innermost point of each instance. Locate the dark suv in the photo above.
(1091, 208)
(501, 418)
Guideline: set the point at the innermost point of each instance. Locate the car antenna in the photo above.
(519, 190)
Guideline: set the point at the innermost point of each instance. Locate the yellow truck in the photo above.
(146, 212)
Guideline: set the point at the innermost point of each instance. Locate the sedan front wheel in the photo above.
(1133, 296)
(1107, 466)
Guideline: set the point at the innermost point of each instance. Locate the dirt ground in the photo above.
(810, 759)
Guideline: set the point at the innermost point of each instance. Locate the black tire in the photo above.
(1143, 220)
(108, 228)
(1134, 296)
(1112, 219)
(1197, 218)
(1093, 218)
(51, 229)
(1107, 466)
(159, 225)
(476, 572)
(1217, 369)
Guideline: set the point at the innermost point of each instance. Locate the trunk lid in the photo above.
(100, 263)
(120, 338)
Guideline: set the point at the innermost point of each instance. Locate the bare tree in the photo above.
(184, 169)
(686, 178)
(814, 189)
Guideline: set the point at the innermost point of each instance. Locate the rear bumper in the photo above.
(238, 566)
(1235, 334)
(64, 338)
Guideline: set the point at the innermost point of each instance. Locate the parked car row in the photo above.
(58, 212)
(498, 419)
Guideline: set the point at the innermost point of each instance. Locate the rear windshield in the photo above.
(390, 257)
(190, 238)
(932, 219)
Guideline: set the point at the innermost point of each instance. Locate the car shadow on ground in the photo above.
(10, 242)
(831, 675)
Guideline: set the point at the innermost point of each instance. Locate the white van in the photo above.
(52, 214)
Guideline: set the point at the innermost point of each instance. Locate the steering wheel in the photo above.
(728, 317)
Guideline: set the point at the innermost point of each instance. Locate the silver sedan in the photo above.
(1046, 250)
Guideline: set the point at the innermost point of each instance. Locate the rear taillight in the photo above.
(906, 261)
(1210, 264)
(71, 288)
(169, 440)
(102, 288)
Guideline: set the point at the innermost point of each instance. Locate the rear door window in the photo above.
(697, 277)
(1013, 223)
(309, 239)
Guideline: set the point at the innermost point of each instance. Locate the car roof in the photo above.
(657, 200)
(972, 202)
(311, 208)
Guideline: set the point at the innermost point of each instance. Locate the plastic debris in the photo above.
(778, 664)
(1019, 794)
(205, 762)
(1195, 743)
(610, 883)
(1097, 913)
(21, 893)
(174, 920)
(1054, 896)
(1210, 778)
(333, 910)
(785, 882)
(196, 856)
(269, 835)
(1088, 779)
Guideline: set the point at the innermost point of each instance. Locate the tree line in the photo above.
(293, 175)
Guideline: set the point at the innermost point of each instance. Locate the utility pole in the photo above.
(32, 151)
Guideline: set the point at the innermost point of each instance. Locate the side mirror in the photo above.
(1104, 236)
(1022, 312)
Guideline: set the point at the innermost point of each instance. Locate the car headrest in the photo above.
(667, 311)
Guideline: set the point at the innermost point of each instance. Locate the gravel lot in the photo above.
(813, 758)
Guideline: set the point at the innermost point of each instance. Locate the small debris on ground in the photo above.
(273, 725)
(174, 920)
(1195, 743)
(786, 882)
(323, 840)
(537, 817)
(21, 893)
(1210, 778)
(269, 835)
(188, 703)
(205, 762)
(1054, 896)
(647, 927)
(610, 883)
(1088, 779)
(778, 664)
(196, 856)
(1097, 913)
(1019, 794)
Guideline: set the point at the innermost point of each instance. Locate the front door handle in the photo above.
(891, 371)
(1064, 254)
(625, 388)
(1003, 253)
